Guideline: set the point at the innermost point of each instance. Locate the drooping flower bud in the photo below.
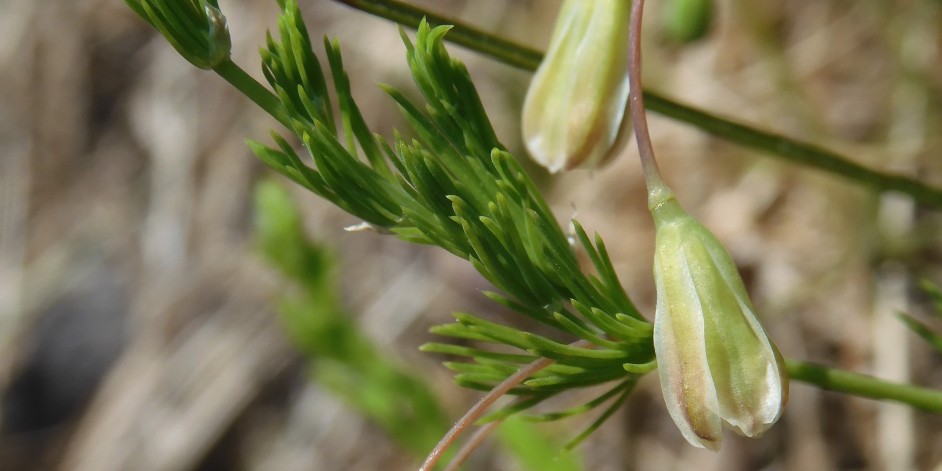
(716, 363)
(573, 111)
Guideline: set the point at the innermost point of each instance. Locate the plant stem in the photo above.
(490, 45)
(478, 409)
(864, 386)
(475, 441)
(652, 176)
(250, 87)
(776, 145)
(801, 153)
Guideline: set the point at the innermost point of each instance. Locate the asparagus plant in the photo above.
(455, 186)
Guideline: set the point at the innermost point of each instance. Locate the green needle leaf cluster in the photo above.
(195, 28)
(455, 186)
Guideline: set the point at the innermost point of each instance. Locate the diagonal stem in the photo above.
(508, 52)
(480, 407)
(475, 441)
(242, 81)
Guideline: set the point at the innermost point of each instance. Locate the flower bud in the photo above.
(716, 363)
(573, 111)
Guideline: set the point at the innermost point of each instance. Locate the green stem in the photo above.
(250, 87)
(773, 144)
(864, 386)
(496, 47)
(794, 151)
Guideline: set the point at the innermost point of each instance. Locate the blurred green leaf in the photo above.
(922, 329)
(533, 450)
(686, 21)
(934, 293)
(342, 359)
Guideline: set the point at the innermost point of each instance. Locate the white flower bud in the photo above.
(716, 363)
(573, 112)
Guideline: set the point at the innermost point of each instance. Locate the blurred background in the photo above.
(144, 326)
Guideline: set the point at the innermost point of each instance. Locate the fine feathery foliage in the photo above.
(455, 186)
(344, 361)
(195, 28)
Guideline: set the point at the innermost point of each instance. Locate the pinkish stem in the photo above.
(636, 97)
(472, 444)
(478, 409)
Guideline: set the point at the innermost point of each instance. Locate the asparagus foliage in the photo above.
(455, 186)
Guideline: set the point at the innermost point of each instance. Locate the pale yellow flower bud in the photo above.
(573, 112)
(716, 363)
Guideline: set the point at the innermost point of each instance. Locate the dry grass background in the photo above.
(136, 324)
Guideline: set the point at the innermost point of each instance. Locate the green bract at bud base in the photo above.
(573, 111)
(716, 363)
